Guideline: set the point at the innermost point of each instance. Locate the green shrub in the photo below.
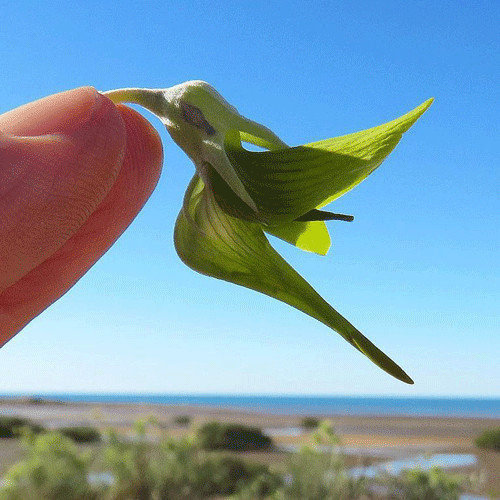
(54, 469)
(264, 485)
(230, 475)
(33, 400)
(309, 423)
(132, 466)
(235, 437)
(10, 427)
(314, 475)
(177, 469)
(81, 434)
(417, 484)
(183, 420)
(489, 439)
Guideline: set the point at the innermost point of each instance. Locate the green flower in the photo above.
(236, 196)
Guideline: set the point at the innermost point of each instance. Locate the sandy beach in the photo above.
(365, 439)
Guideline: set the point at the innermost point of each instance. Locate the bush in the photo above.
(314, 475)
(183, 420)
(309, 423)
(52, 470)
(265, 485)
(425, 485)
(177, 469)
(11, 427)
(235, 437)
(33, 400)
(228, 475)
(489, 439)
(81, 434)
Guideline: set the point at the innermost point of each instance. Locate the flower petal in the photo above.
(213, 243)
(287, 183)
(311, 236)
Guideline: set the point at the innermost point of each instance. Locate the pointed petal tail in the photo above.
(213, 243)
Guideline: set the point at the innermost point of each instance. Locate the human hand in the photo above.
(75, 169)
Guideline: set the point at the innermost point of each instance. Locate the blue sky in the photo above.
(418, 272)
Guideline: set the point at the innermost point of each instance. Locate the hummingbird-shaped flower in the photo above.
(236, 195)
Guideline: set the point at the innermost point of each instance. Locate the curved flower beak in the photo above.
(199, 120)
(236, 195)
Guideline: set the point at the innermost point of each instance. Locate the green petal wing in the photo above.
(311, 236)
(214, 243)
(286, 183)
(307, 235)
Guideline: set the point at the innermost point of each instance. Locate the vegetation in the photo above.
(313, 475)
(310, 423)
(53, 469)
(81, 434)
(141, 469)
(235, 437)
(489, 439)
(33, 400)
(11, 427)
(427, 485)
(183, 420)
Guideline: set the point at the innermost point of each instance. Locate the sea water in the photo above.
(303, 405)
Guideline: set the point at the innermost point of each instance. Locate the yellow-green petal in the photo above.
(214, 243)
(311, 236)
(288, 182)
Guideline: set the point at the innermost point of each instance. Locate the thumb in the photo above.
(74, 172)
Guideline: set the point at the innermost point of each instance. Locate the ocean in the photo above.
(303, 405)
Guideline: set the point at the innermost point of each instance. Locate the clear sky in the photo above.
(418, 271)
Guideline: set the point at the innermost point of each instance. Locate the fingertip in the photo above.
(54, 174)
(62, 113)
(115, 149)
(144, 147)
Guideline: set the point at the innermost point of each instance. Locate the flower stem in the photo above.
(151, 99)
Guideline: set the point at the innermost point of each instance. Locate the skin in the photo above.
(75, 169)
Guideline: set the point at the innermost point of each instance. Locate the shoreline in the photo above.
(387, 406)
(365, 428)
